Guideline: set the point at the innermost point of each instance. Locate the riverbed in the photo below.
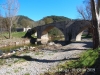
(42, 60)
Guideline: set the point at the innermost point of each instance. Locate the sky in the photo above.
(37, 9)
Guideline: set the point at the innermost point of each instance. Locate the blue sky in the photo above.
(37, 9)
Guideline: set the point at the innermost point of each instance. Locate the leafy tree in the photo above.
(39, 23)
(48, 20)
(57, 18)
(25, 23)
(21, 17)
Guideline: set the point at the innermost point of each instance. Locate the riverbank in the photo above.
(14, 42)
(42, 60)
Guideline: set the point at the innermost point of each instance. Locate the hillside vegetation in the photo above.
(23, 21)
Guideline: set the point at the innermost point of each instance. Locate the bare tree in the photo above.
(91, 12)
(11, 7)
(1, 25)
(85, 13)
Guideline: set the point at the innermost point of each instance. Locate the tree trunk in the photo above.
(95, 26)
(10, 32)
(10, 26)
(95, 35)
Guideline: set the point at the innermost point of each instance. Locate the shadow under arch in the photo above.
(29, 34)
(79, 35)
(57, 30)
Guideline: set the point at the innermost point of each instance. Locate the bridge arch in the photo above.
(79, 35)
(45, 30)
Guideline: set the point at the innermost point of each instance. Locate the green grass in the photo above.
(16, 70)
(19, 60)
(27, 74)
(85, 36)
(87, 59)
(39, 53)
(2, 61)
(14, 34)
(18, 34)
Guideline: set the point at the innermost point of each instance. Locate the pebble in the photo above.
(44, 61)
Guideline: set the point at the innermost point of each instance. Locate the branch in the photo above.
(80, 10)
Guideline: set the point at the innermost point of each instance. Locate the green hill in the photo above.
(23, 21)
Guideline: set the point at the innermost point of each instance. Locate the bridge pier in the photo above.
(39, 36)
(78, 37)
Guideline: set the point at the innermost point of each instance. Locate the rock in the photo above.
(60, 73)
(13, 52)
(21, 49)
(58, 45)
(9, 54)
(16, 49)
(31, 48)
(51, 43)
(4, 53)
(0, 56)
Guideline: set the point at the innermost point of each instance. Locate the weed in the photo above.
(38, 53)
(2, 61)
(19, 60)
(27, 74)
(9, 64)
(16, 70)
(8, 72)
(87, 59)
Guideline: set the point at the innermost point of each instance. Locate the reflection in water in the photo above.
(12, 48)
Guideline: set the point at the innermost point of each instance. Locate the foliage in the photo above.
(24, 21)
(86, 36)
(50, 19)
(2, 61)
(53, 18)
(57, 18)
(55, 32)
(27, 74)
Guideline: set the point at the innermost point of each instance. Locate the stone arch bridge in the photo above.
(72, 30)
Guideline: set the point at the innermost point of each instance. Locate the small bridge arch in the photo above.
(45, 31)
(45, 28)
(79, 35)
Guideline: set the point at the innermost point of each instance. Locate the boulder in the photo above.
(51, 43)
(31, 48)
(58, 45)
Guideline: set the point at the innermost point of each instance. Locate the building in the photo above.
(22, 29)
